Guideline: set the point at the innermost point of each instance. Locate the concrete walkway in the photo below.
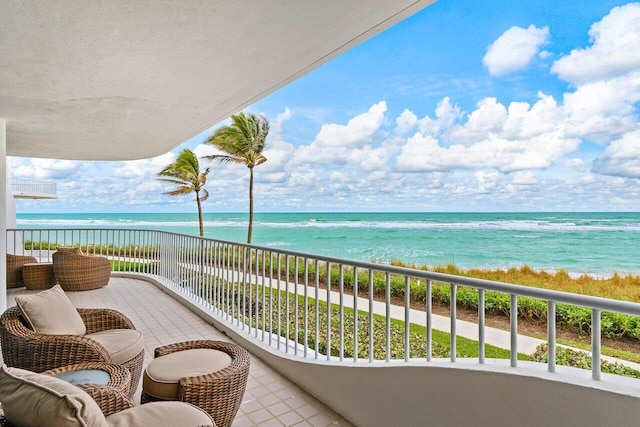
(494, 336)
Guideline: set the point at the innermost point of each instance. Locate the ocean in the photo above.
(595, 243)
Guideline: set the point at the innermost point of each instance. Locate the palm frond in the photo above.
(185, 173)
(182, 191)
(243, 140)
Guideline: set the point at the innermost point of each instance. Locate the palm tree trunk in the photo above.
(200, 213)
(201, 254)
(250, 204)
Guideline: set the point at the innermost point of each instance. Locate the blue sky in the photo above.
(465, 106)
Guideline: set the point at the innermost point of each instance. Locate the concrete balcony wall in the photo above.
(442, 393)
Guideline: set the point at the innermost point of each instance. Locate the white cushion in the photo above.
(166, 414)
(30, 399)
(122, 344)
(51, 312)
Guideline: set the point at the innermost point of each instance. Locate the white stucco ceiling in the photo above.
(127, 79)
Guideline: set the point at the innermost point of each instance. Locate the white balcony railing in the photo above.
(274, 295)
(31, 189)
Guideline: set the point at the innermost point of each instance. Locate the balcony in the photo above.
(31, 189)
(268, 301)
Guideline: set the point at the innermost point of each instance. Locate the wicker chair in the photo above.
(78, 272)
(26, 349)
(111, 401)
(14, 269)
(108, 399)
(218, 393)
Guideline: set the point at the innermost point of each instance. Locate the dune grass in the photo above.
(626, 288)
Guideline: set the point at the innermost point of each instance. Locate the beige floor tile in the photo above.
(290, 418)
(270, 400)
(260, 416)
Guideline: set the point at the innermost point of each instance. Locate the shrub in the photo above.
(580, 359)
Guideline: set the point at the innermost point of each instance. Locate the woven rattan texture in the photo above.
(120, 378)
(14, 269)
(219, 393)
(38, 275)
(26, 349)
(79, 272)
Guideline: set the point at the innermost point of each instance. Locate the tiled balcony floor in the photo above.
(270, 399)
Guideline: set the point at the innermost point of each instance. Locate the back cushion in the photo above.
(51, 312)
(30, 399)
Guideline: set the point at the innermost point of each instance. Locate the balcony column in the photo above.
(3, 214)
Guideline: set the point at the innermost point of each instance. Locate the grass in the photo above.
(417, 334)
(607, 351)
(117, 265)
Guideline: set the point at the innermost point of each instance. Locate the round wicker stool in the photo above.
(211, 375)
(38, 275)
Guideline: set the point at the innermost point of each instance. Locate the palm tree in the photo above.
(243, 142)
(185, 173)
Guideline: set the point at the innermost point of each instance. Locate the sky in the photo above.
(469, 105)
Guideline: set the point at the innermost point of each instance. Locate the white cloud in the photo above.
(424, 153)
(575, 163)
(202, 150)
(621, 157)
(406, 121)
(489, 117)
(520, 137)
(524, 178)
(416, 154)
(615, 48)
(275, 128)
(356, 133)
(47, 169)
(143, 169)
(334, 142)
(446, 116)
(600, 110)
(278, 152)
(487, 181)
(514, 49)
(339, 177)
(275, 170)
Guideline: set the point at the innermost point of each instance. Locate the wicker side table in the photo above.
(38, 275)
(92, 374)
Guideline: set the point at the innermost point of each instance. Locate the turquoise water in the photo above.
(595, 243)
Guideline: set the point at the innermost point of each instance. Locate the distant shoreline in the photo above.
(595, 243)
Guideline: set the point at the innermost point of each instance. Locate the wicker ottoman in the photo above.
(38, 275)
(211, 375)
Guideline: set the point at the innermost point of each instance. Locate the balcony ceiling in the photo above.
(116, 80)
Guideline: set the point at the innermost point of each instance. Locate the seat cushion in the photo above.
(161, 377)
(30, 399)
(169, 414)
(51, 312)
(122, 344)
